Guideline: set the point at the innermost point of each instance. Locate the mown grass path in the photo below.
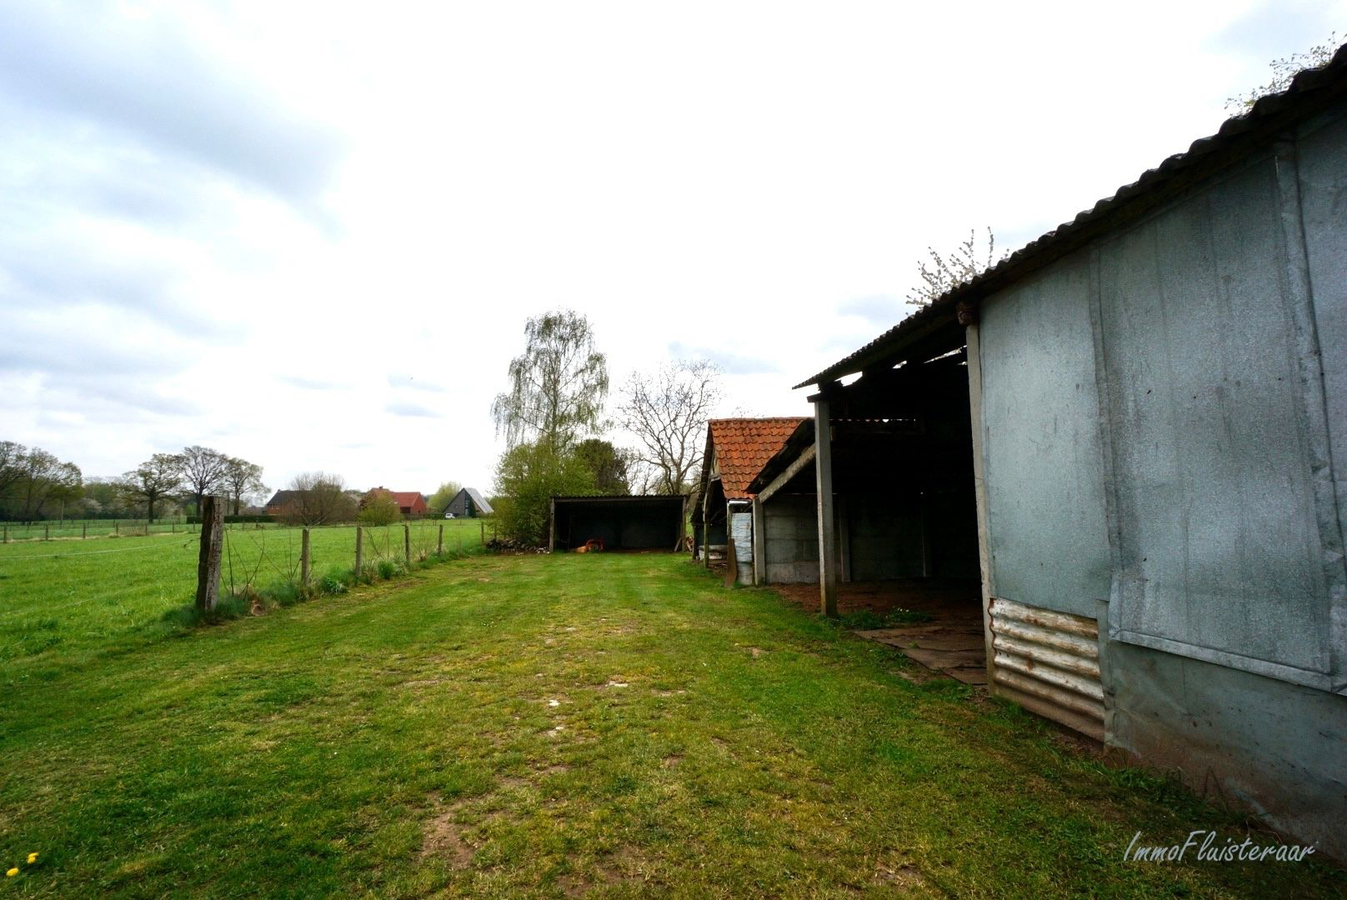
(557, 726)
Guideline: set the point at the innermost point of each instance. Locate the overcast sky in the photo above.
(310, 236)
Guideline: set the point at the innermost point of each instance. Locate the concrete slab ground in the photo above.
(950, 641)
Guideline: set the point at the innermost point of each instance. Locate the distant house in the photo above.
(412, 504)
(282, 501)
(467, 504)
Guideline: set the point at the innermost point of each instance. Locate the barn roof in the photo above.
(478, 500)
(281, 497)
(934, 329)
(742, 446)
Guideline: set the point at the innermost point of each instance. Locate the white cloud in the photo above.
(310, 235)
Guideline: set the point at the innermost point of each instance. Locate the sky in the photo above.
(310, 234)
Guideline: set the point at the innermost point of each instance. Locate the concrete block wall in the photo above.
(791, 543)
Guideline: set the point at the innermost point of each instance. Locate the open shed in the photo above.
(648, 522)
(1156, 406)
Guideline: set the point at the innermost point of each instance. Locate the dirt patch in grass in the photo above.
(443, 838)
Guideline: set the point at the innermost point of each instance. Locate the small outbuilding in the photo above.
(649, 522)
(736, 450)
(467, 504)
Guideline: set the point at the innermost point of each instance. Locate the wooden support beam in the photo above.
(980, 492)
(759, 542)
(827, 524)
(805, 458)
(706, 527)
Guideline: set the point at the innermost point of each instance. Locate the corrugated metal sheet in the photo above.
(741, 532)
(1048, 662)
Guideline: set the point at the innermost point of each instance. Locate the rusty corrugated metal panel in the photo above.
(1049, 663)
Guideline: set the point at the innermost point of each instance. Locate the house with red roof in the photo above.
(411, 503)
(722, 513)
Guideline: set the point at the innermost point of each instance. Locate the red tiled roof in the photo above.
(743, 447)
(407, 499)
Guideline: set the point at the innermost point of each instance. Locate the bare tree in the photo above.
(157, 478)
(943, 272)
(320, 499)
(667, 411)
(242, 478)
(203, 472)
(557, 386)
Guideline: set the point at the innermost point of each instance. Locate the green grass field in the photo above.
(549, 726)
(89, 528)
(60, 599)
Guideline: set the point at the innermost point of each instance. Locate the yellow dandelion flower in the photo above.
(32, 858)
(12, 872)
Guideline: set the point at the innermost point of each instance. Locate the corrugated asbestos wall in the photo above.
(1163, 457)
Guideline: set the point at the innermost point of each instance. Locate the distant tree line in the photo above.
(35, 485)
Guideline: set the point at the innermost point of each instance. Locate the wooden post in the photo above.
(980, 492)
(304, 557)
(208, 561)
(439, 549)
(6, 537)
(359, 550)
(827, 525)
(116, 526)
(84, 530)
(759, 542)
(706, 528)
(483, 524)
(46, 532)
(407, 543)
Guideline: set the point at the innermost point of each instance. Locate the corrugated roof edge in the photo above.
(1318, 84)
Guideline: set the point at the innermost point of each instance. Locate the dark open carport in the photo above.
(653, 522)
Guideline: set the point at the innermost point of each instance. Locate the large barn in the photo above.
(1134, 431)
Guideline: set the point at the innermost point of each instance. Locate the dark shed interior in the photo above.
(621, 523)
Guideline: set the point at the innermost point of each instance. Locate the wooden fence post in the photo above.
(359, 551)
(483, 524)
(208, 561)
(304, 558)
(439, 550)
(84, 530)
(6, 538)
(407, 543)
(46, 535)
(116, 526)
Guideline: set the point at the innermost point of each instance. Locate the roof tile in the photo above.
(743, 447)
